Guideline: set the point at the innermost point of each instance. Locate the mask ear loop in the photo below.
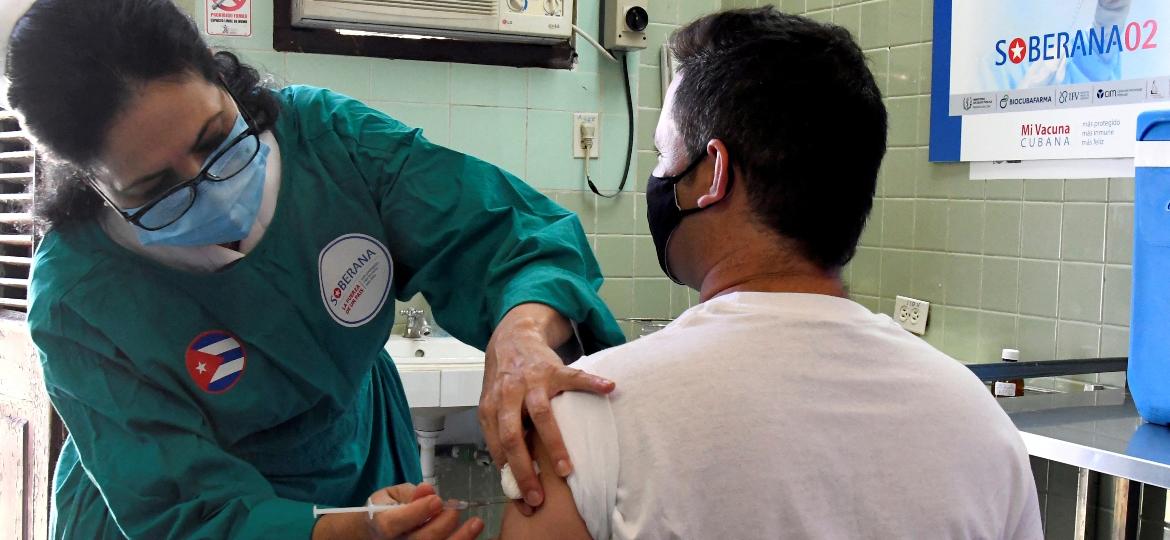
(674, 180)
(730, 180)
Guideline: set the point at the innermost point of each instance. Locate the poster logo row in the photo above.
(1062, 97)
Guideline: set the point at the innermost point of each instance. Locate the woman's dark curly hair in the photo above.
(73, 67)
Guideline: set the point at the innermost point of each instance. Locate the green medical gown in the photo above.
(173, 436)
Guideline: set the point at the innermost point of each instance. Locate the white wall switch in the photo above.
(911, 314)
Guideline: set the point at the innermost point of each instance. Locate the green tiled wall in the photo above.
(520, 120)
(1039, 265)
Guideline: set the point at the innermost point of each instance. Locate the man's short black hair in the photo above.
(801, 116)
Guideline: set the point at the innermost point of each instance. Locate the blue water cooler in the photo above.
(1149, 356)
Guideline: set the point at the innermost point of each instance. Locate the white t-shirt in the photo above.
(768, 415)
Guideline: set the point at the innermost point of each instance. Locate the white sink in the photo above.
(439, 373)
(432, 350)
(441, 376)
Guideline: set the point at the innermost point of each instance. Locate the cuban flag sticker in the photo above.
(215, 361)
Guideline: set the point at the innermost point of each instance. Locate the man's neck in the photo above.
(760, 274)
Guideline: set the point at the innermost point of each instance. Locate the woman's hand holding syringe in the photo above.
(404, 510)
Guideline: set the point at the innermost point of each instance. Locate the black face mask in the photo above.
(663, 213)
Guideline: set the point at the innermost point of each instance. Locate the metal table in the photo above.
(1096, 431)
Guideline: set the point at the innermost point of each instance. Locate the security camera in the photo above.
(623, 24)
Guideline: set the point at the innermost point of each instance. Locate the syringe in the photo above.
(371, 508)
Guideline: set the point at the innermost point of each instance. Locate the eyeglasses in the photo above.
(231, 158)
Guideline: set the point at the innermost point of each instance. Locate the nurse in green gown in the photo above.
(217, 283)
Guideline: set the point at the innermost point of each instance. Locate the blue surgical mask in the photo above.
(223, 211)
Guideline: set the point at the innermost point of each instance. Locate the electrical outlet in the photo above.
(911, 314)
(580, 120)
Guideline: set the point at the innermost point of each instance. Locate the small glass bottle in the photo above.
(1008, 387)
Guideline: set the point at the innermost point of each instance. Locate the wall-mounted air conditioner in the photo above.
(530, 21)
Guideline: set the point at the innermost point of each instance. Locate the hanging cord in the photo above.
(629, 113)
(629, 136)
(594, 42)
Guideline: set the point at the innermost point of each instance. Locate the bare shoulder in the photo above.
(556, 518)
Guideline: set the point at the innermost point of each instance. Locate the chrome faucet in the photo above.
(416, 323)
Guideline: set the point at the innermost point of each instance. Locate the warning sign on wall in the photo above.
(229, 17)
